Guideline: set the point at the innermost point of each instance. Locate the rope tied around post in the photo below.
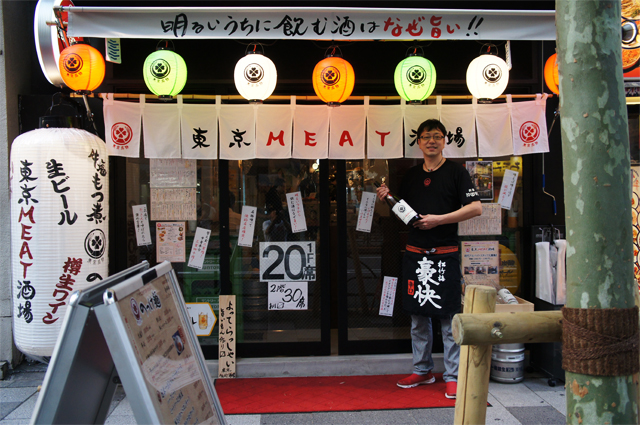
(602, 342)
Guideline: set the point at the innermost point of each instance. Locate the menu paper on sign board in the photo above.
(173, 204)
(489, 223)
(388, 297)
(172, 172)
(141, 220)
(288, 296)
(508, 189)
(365, 215)
(227, 337)
(296, 212)
(170, 244)
(165, 351)
(247, 226)
(481, 262)
(199, 248)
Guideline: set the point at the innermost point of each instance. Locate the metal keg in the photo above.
(507, 363)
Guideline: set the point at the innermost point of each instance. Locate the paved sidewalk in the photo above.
(530, 402)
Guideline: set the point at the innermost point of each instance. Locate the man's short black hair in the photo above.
(431, 125)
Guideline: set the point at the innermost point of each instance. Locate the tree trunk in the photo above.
(595, 147)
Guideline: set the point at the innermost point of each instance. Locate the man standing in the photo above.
(442, 193)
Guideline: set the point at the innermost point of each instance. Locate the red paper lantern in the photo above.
(333, 80)
(551, 73)
(81, 68)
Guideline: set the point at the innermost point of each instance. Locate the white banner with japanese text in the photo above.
(237, 132)
(460, 122)
(122, 127)
(384, 132)
(273, 131)
(529, 126)
(311, 132)
(199, 126)
(346, 132)
(414, 115)
(494, 130)
(161, 131)
(312, 23)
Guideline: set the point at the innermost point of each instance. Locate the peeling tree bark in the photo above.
(595, 146)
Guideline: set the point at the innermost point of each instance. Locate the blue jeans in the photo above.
(422, 343)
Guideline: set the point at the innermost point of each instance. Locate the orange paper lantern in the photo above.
(81, 68)
(551, 73)
(333, 80)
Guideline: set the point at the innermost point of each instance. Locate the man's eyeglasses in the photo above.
(436, 137)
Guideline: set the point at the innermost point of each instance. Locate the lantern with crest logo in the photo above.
(255, 76)
(333, 78)
(165, 72)
(487, 75)
(81, 68)
(415, 78)
(59, 227)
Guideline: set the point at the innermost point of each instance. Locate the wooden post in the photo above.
(475, 363)
(507, 328)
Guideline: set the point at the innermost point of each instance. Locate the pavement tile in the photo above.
(338, 418)
(389, 417)
(540, 415)
(557, 399)
(25, 410)
(512, 395)
(119, 420)
(287, 419)
(8, 395)
(433, 416)
(14, 422)
(6, 408)
(498, 414)
(243, 419)
(542, 384)
(123, 409)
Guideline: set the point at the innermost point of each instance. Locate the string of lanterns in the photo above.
(82, 68)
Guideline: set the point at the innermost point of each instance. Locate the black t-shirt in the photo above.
(441, 191)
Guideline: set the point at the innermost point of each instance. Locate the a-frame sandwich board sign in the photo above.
(146, 327)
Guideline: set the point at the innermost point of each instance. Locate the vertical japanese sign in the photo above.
(508, 189)
(141, 222)
(199, 248)
(388, 297)
(247, 226)
(227, 337)
(480, 263)
(296, 212)
(170, 242)
(365, 215)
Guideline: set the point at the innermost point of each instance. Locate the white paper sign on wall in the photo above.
(288, 296)
(287, 261)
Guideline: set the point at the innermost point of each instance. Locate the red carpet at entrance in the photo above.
(326, 394)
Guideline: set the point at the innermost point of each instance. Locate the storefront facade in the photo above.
(341, 312)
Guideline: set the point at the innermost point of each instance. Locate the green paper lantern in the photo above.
(415, 79)
(165, 73)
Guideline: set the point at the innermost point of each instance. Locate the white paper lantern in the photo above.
(255, 77)
(59, 228)
(487, 77)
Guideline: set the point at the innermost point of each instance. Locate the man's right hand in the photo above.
(382, 192)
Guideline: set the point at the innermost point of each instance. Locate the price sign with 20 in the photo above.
(287, 261)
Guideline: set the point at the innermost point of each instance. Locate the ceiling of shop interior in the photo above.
(211, 63)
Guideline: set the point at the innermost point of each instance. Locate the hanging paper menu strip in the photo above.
(388, 297)
(141, 220)
(507, 189)
(173, 204)
(365, 215)
(227, 337)
(247, 226)
(296, 212)
(170, 242)
(199, 248)
(172, 172)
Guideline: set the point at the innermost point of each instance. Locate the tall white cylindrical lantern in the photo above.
(255, 76)
(59, 228)
(487, 77)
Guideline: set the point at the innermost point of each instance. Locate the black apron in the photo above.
(431, 284)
